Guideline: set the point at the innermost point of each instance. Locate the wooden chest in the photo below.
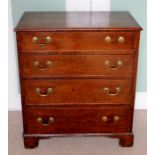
(77, 74)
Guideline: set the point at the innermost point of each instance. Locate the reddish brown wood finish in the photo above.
(76, 65)
(75, 41)
(78, 120)
(126, 141)
(31, 142)
(77, 91)
(71, 21)
(77, 74)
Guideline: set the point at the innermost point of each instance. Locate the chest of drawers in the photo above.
(77, 74)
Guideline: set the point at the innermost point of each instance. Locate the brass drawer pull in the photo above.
(107, 39)
(48, 40)
(116, 118)
(40, 66)
(41, 121)
(104, 118)
(49, 91)
(121, 39)
(118, 64)
(107, 91)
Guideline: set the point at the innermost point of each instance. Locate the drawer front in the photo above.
(36, 41)
(77, 91)
(106, 119)
(77, 65)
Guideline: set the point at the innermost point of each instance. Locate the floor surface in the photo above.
(78, 145)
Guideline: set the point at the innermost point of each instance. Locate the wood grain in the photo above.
(78, 120)
(60, 21)
(75, 41)
(77, 74)
(77, 91)
(76, 66)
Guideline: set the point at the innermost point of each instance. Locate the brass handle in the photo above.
(116, 118)
(118, 64)
(40, 66)
(48, 40)
(104, 118)
(49, 91)
(107, 91)
(121, 39)
(107, 39)
(41, 121)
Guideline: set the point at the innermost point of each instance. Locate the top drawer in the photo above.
(52, 41)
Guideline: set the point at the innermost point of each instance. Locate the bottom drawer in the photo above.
(105, 119)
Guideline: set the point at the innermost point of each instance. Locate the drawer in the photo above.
(106, 119)
(77, 65)
(51, 41)
(77, 91)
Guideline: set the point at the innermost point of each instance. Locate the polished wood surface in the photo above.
(64, 41)
(75, 92)
(77, 65)
(78, 120)
(44, 21)
(77, 76)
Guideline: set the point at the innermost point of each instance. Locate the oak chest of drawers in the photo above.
(77, 74)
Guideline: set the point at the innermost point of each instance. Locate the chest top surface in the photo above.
(51, 21)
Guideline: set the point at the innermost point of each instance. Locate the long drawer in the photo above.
(77, 91)
(77, 65)
(36, 41)
(105, 119)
